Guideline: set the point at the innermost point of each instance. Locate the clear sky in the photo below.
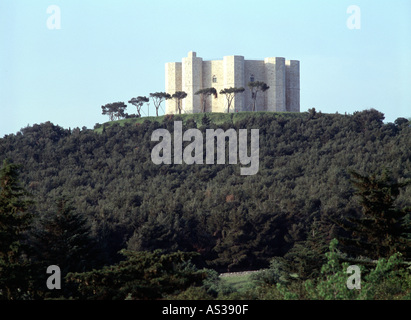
(109, 51)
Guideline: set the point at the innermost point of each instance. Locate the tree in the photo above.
(114, 110)
(307, 256)
(312, 113)
(64, 239)
(14, 221)
(401, 122)
(143, 275)
(368, 119)
(256, 87)
(204, 94)
(381, 231)
(138, 103)
(230, 94)
(158, 98)
(178, 97)
(332, 283)
(205, 120)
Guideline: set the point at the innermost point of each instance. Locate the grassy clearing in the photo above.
(240, 281)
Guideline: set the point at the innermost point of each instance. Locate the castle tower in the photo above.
(173, 84)
(292, 77)
(275, 97)
(192, 82)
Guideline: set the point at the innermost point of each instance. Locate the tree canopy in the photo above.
(230, 93)
(114, 110)
(178, 96)
(158, 98)
(256, 87)
(382, 228)
(138, 103)
(282, 219)
(204, 94)
(15, 219)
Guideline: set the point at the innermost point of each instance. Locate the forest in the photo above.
(330, 187)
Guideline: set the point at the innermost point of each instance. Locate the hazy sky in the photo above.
(109, 51)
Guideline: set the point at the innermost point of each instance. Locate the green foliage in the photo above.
(307, 256)
(192, 293)
(387, 279)
(114, 110)
(15, 219)
(143, 275)
(158, 98)
(382, 229)
(279, 272)
(178, 96)
(286, 212)
(333, 282)
(230, 93)
(256, 87)
(205, 120)
(138, 103)
(64, 238)
(214, 285)
(204, 94)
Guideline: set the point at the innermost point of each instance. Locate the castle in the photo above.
(194, 73)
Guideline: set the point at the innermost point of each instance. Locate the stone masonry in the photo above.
(193, 74)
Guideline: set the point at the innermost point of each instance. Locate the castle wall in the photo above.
(173, 84)
(193, 74)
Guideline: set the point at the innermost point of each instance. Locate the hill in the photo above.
(235, 222)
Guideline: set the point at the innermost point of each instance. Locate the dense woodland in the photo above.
(96, 196)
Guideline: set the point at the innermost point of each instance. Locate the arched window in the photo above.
(214, 79)
(252, 78)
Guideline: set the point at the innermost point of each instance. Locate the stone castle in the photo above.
(194, 73)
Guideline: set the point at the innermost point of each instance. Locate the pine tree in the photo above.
(235, 243)
(15, 219)
(307, 256)
(382, 229)
(64, 239)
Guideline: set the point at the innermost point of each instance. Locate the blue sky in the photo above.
(109, 51)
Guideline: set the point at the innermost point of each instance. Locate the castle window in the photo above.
(252, 78)
(214, 79)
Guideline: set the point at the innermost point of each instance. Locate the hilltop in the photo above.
(215, 118)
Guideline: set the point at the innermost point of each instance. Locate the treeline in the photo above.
(116, 110)
(106, 189)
